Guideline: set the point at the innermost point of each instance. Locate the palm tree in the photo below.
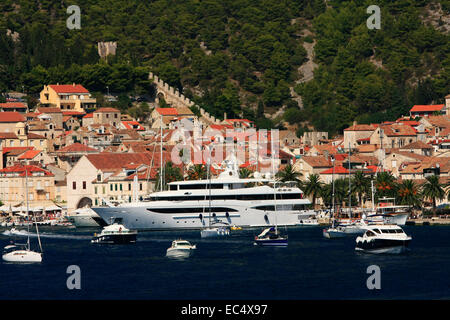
(360, 185)
(171, 174)
(197, 172)
(245, 173)
(327, 194)
(385, 185)
(288, 174)
(312, 187)
(409, 193)
(433, 190)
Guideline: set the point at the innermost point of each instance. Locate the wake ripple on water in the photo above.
(24, 233)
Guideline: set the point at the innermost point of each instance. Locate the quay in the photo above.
(441, 220)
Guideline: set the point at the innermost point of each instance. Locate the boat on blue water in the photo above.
(180, 249)
(115, 233)
(271, 237)
(383, 239)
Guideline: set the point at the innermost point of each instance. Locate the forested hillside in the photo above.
(236, 56)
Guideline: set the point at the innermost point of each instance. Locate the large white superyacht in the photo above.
(226, 200)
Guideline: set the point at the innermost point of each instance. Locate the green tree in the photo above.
(171, 174)
(312, 187)
(433, 190)
(288, 174)
(245, 173)
(197, 172)
(409, 193)
(385, 185)
(360, 186)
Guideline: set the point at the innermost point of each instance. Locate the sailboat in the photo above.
(22, 252)
(271, 236)
(210, 232)
(341, 230)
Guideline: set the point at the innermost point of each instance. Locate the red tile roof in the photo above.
(48, 110)
(73, 113)
(11, 116)
(12, 105)
(8, 135)
(361, 127)
(113, 161)
(428, 108)
(30, 154)
(101, 110)
(77, 147)
(167, 111)
(337, 170)
(89, 115)
(132, 124)
(21, 170)
(68, 88)
(16, 150)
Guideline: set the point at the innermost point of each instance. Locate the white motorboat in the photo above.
(115, 233)
(383, 239)
(180, 248)
(389, 213)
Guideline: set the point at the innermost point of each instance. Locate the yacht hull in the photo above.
(142, 218)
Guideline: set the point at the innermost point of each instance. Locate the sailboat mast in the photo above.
(373, 197)
(349, 184)
(34, 218)
(209, 183)
(161, 171)
(274, 182)
(26, 202)
(332, 178)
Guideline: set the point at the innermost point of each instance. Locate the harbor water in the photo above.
(311, 267)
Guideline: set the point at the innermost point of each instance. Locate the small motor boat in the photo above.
(115, 234)
(180, 248)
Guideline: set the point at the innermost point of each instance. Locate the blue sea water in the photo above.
(311, 267)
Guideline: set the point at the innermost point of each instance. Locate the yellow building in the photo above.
(22, 138)
(67, 97)
(13, 187)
